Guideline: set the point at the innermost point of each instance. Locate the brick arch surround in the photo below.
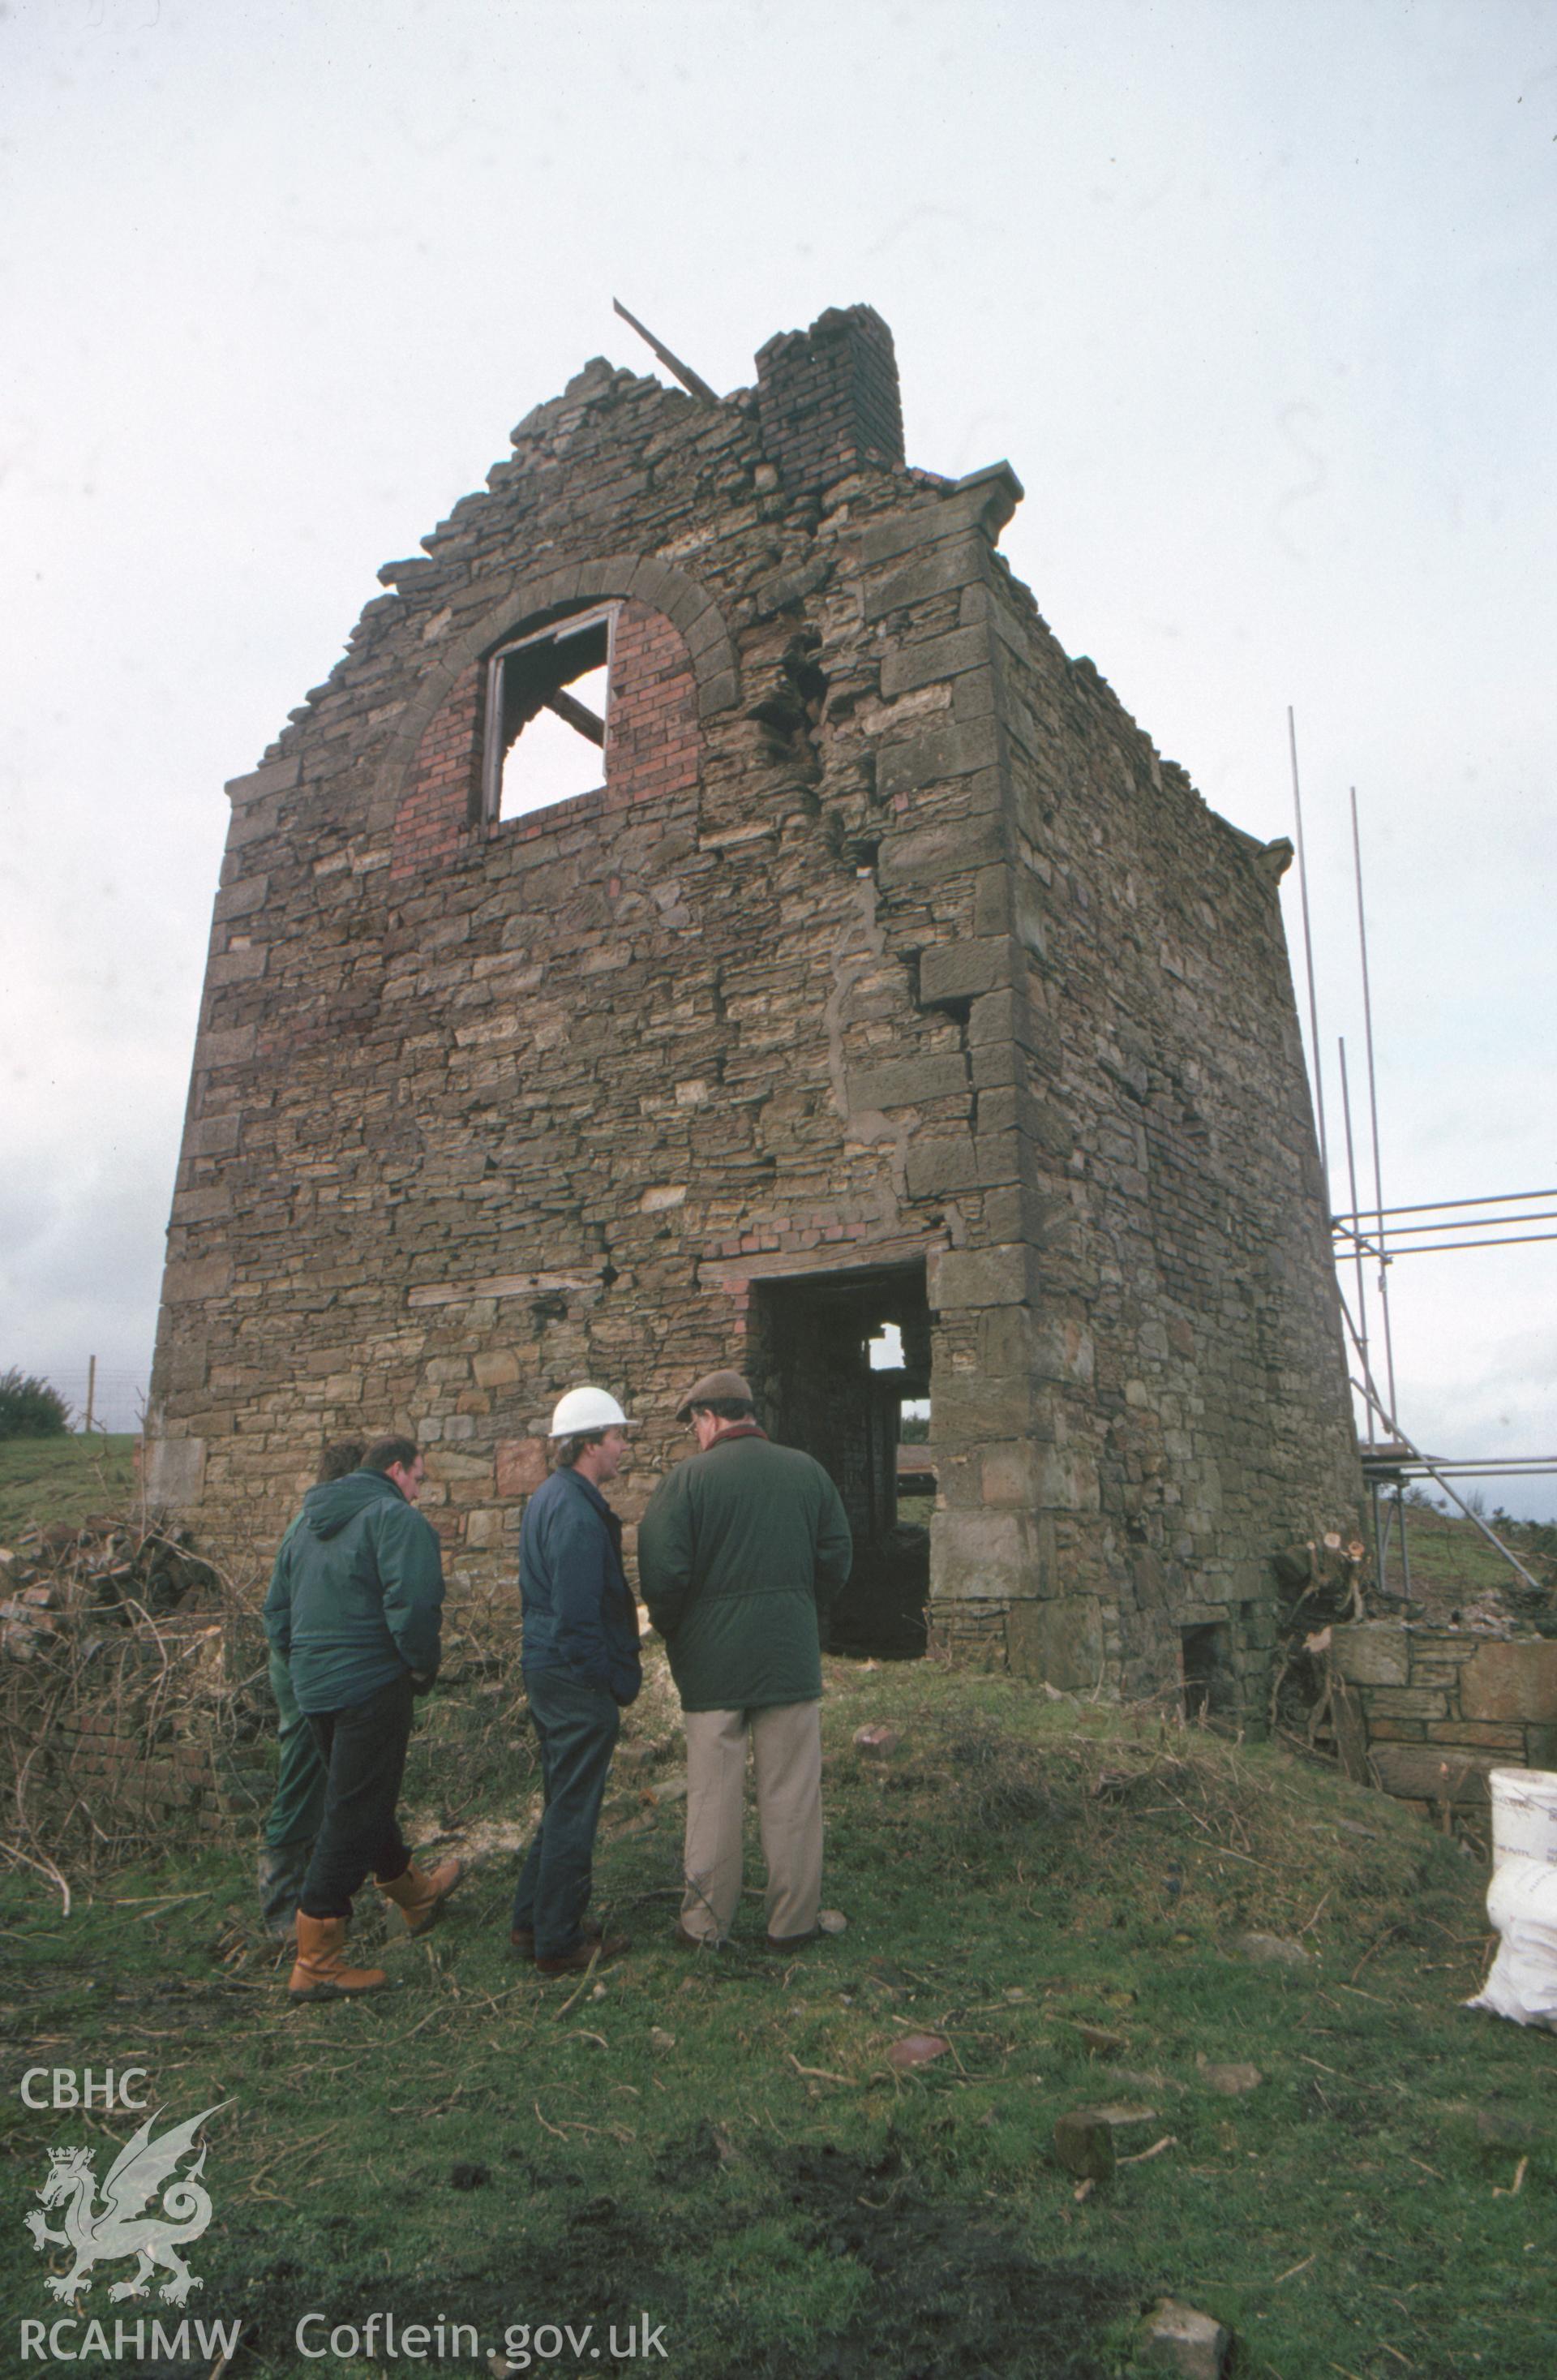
(428, 779)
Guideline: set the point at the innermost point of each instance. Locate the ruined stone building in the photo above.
(880, 974)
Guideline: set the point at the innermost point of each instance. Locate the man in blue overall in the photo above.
(582, 1668)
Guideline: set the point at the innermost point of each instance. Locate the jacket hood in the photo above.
(328, 1509)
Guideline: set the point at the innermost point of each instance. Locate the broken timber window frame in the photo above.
(510, 698)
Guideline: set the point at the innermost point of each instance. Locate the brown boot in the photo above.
(321, 1973)
(522, 1937)
(419, 1898)
(585, 1955)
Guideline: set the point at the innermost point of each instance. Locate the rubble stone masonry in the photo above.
(1427, 1713)
(889, 959)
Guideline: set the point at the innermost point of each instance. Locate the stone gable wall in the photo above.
(886, 941)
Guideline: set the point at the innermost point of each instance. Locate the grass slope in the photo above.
(1457, 1577)
(44, 1479)
(720, 2143)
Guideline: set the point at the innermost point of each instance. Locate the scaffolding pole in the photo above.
(1442, 1205)
(1449, 1489)
(1357, 1239)
(1373, 1106)
(1370, 1238)
(1308, 955)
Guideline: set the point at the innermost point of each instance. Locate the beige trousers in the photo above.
(786, 1741)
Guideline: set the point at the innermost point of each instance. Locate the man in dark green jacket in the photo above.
(741, 1548)
(354, 1610)
(297, 1804)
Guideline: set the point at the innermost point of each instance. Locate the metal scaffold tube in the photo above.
(1357, 1238)
(1373, 1107)
(1308, 955)
(1380, 1235)
(1433, 1472)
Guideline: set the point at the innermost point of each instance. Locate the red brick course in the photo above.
(445, 796)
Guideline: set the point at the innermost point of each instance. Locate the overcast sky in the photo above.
(1258, 298)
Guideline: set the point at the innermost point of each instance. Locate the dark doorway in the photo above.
(1210, 1686)
(835, 1358)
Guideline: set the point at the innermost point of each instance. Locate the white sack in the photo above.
(1522, 1904)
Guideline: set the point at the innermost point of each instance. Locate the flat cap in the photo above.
(712, 1389)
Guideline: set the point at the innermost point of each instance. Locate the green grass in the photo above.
(44, 1479)
(721, 2143)
(1449, 1555)
(1454, 1568)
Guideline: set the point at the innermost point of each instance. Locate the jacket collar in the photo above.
(328, 1506)
(588, 1487)
(736, 1430)
(612, 1521)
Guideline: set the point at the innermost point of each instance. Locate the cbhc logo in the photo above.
(68, 2088)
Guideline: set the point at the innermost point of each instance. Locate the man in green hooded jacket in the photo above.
(354, 1610)
(297, 1803)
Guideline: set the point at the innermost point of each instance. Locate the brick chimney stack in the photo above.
(829, 399)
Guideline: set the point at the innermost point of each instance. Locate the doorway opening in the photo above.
(1206, 1664)
(840, 1366)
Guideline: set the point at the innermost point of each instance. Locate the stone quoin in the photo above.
(885, 976)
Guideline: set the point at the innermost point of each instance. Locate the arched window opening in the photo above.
(547, 715)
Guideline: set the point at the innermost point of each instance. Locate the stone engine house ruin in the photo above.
(881, 983)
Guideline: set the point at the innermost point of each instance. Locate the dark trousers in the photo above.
(577, 1726)
(363, 1749)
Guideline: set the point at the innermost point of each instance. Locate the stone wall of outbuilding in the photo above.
(1427, 1713)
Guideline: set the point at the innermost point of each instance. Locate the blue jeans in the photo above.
(577, 1728)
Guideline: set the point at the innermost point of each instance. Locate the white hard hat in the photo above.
(586, 1409)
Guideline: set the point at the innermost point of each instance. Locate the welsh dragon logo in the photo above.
(121, 2225)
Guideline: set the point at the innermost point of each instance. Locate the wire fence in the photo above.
(117, 1399)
